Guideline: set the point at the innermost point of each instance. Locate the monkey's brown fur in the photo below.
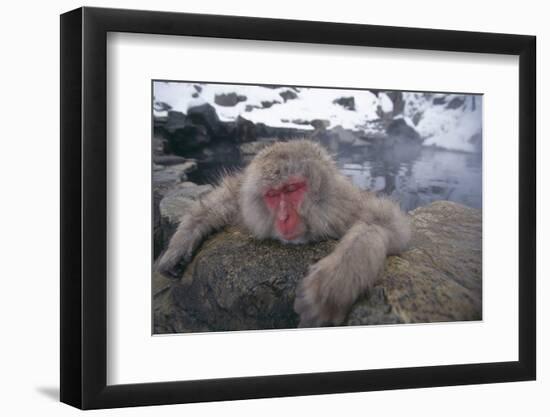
(369, 227)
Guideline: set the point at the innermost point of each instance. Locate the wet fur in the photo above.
(369, 227)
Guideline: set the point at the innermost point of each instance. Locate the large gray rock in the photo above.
(166, 178)
(177, 201)
(236, 282)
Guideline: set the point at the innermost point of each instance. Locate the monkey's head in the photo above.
(284, 190)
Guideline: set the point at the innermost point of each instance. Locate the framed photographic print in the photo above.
(257, 207)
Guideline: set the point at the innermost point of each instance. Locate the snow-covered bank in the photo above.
(449, 121)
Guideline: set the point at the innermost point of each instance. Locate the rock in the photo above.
(455, 103)
(282, 133)
(246, 130)
(476, 140)
(161, 106)
(184, 134)
(271, 87)
(205, 115)
(176, 120)
(164, 180)
(170, 175)
(320, 124)
(439, 278)
(250, 107)
(399, 129)
(236, 282)
(159, 145)
(268, 104)
(228, 100)
(417, 117)
(301, 122)
(346, 102)
(398, 102)
(344, 135)
(338, 136)
(176, 202)
(288, 95)
(169, 159)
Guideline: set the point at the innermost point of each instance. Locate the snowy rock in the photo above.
(346, 102)
(444, 120)
(267, 104)
(228, 100)
(288, 95)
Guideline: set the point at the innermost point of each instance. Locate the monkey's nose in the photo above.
(283, 215)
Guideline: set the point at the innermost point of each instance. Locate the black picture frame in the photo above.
(84, 207)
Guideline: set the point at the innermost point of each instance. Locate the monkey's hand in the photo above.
(172, 262)
(185, 240)
(212, 212)
(332, 285)
(320, 297)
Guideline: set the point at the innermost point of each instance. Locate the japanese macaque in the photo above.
(293, 192)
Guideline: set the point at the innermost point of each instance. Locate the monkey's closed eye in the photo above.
(272, 193)
(292, 187)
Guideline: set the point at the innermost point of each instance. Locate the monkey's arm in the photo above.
(217, 209)
(333, 284)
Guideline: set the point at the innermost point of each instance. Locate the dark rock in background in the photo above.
(417, 117)
(228, 100)
(301, 122)
(398, 128)
(320, 124)
(288, 95)
(183, 135)
(205, 115)
(455, 103)
(161, 106)
(250, 107)
(268, 104)
(246, 130)
(398, 103)
(346, 102)
(236, 282)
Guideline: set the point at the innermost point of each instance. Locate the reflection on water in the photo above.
(415, 175)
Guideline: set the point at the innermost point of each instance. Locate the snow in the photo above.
(312, 103)
(438, 125)
(443, 127)
(385, 103)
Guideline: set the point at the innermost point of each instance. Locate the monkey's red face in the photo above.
(284, 203)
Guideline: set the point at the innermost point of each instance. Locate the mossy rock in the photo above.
(236, 282)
